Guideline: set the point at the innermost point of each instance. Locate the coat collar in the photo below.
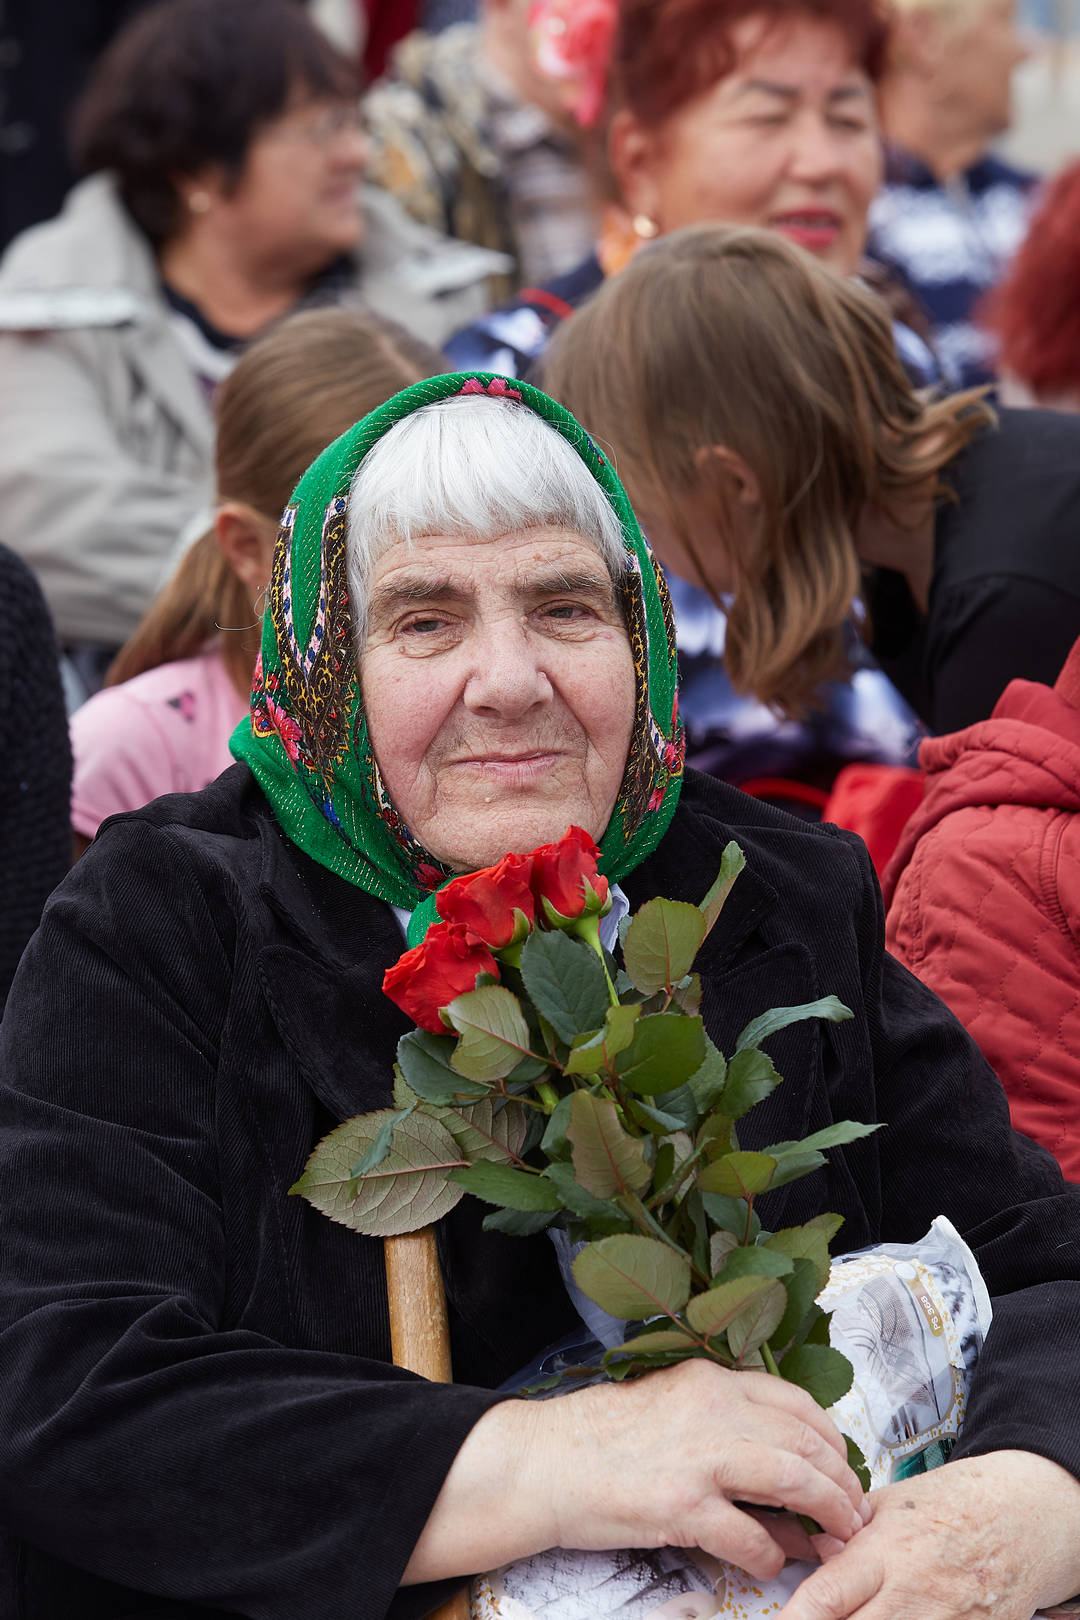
(323, 976)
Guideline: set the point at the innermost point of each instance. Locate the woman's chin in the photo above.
(514, 828)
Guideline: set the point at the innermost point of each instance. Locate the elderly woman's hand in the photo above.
(997, 1535)
(659, 1461)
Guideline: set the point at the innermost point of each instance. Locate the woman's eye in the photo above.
(565, 612)
(428, 625)
(854, 126)
(767, 120)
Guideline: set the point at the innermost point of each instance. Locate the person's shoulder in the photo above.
(992, 170)
(79, 246)
(1026, 443)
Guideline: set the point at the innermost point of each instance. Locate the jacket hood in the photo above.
(1027, 753)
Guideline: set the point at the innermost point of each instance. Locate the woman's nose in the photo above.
(816, 152)
(507, 676)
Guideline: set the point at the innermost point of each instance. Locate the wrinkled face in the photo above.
(788, 141)
(499, 690)
(297, 201)
(975, 67)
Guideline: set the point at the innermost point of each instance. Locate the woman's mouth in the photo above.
(816, 229)
(519, 770)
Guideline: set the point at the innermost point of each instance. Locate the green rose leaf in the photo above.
(857, 1462)
(380, 1147)
(716, 1136)
(509, 1188)
(654, 1119)
(517, 1222)
(654, 1343)
(819, 1369)
(791, 1166)
(759, 1029)
(732, 1215)
(681, 1104)
(606, 1158)
(750, 1077)
(752, 1261)
(661, 943)
(731, 864)
(424, 1060)
(603, 1217)
(407, 1190)
(809, 1242)
(666, 1050)
(738, 1175)
(802, 1291)
(494, 1034)
(553, 1143)
(720, 1246)
(708, 1082)
(485, 1129)
(713, 1312)
(846, 1130)
(592, 1052)
(758, 1320)
(633, 1277)
(565, 981)
(688, 994)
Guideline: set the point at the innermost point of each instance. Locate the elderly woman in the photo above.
(224, 163)
(466, 648)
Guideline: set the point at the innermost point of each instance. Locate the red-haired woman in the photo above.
(1035, 313)
(746, 112)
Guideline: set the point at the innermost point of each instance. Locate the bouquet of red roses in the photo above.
(569, 1091)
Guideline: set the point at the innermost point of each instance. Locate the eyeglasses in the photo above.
(322, 127)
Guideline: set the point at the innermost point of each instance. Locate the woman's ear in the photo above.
(632, 156)
(731, 472)
(246, 539)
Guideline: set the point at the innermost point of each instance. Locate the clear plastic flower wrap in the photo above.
(911, 1318)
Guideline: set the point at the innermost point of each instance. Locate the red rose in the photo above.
(496, 904)
(442, 966)
(565, 880)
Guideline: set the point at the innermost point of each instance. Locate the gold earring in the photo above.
(645, 227)
(199, 202)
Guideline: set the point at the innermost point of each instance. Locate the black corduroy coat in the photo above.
(197, 1411)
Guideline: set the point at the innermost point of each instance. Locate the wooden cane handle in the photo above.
(419, 1331)
(420, 1334)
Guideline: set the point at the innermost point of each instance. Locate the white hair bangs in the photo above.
(477, 467)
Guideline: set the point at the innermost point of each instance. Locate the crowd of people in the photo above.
(383, 371)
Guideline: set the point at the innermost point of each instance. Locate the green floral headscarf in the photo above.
(306, 738)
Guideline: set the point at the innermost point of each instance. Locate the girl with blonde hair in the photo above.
(179, 686)
(777, 451)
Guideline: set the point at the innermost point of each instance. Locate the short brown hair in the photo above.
(290, 395)
(668, 52)
(731, 336)
(189, 83)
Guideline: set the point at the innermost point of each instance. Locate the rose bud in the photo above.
(497, 904)
(565, 880)
(444, 965)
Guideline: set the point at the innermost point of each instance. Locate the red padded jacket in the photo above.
(984, 897)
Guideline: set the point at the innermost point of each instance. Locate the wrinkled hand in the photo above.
(989, 1536)
(664, 1459)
